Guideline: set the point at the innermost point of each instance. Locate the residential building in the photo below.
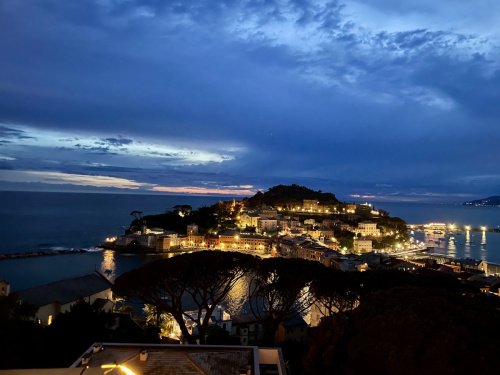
(268, 212)
(193, 240)
(368, 229)
(310, 205)
(249, 219)
(309, 222)
(362, 246)
(168, 242)
(346, 227)
(314, 233)
(247, 329)
(149, 359)
(230, 239)
(311, 250)
(58, 297)
(267, 225)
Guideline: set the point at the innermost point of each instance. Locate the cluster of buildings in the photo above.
(261, 230)
(159, 240)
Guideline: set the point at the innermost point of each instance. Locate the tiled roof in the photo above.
(175, 359)
(65, 291)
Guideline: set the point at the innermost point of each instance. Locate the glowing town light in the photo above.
(467, 228)
(484, 229)
(123, 368)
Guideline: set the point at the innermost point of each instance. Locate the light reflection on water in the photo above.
(108, 265)
(235, 301)
(478, 245)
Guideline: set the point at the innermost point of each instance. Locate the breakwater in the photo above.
(34, 254)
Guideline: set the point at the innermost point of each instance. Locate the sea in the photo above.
(44, 221)
(41, 221)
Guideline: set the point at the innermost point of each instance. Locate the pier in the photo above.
(452, 228)
(34, 254)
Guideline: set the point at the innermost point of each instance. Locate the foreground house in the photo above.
(58, 297)
(151, 359)
(180, 359)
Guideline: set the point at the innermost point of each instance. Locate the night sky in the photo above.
(376, 99)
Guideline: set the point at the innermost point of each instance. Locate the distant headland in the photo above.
(493, 201)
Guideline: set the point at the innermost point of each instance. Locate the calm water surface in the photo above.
(43, 221)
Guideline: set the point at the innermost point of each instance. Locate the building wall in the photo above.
(168, 243)
(47, 313)
(368, 229)
(267, 225)
(245, 242)
(4, 288)
(193, 241)
(248, 221)
(362, 246)
(310, 205)
(269, 213)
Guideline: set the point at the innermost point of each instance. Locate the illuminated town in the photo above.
(277, 187)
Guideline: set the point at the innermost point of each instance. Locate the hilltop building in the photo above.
(368, 229)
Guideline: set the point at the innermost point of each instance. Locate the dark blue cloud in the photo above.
(265, 92)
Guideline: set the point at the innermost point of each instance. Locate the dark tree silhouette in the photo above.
(188, 286)
(278, 289)
(19, 334)
(409, 330)
(337, 291)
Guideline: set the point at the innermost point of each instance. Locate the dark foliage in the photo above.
(278, 290)
(190, 282)
(283, 195)
(73, 332)
(21, 339)
(27, 344)
(218, 336)
(204, 217)
(337, 291)
(409, 330)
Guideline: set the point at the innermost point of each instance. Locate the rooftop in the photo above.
(66, 290)
(145, 359)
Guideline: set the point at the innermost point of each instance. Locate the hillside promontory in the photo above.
(486, 202)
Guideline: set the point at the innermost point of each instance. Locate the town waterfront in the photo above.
(46, 221)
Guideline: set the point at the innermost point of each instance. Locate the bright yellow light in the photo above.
(123, 368)
(483, 229)
(467, 227)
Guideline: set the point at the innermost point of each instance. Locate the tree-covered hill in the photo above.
(490, 201)
(282, 195)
